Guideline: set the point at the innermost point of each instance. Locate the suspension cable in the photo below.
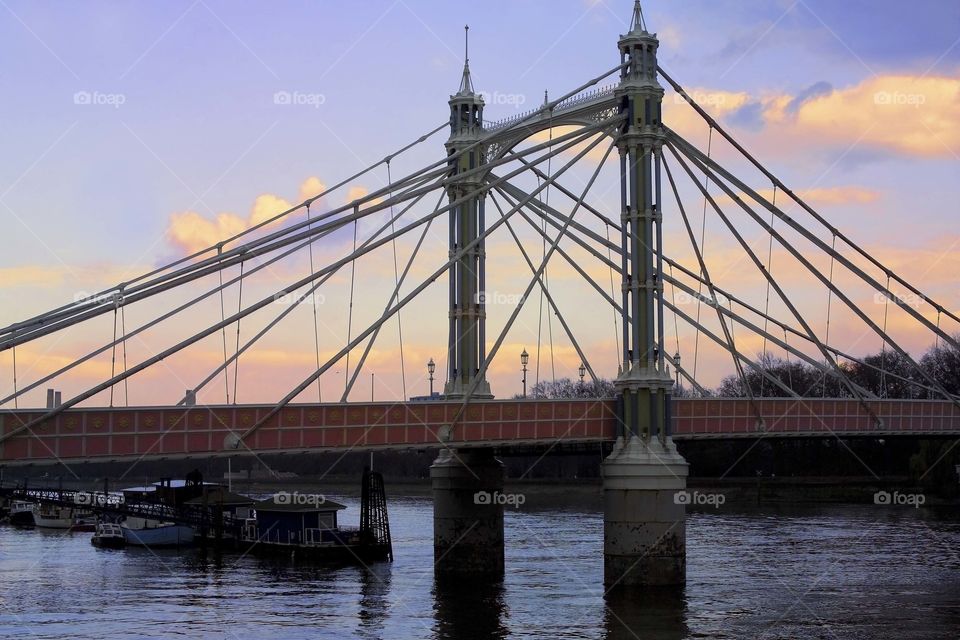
(16, 394)
(313, 304)
(673, 299)
(766, 304)
(543, 244)
(826, 339)
(703, 237)
(883, 348)
(113, 353)
(236, 362)
(223, 331)
(396, 282)
(353, 272)
(123, 330)
(616, 328)
(789, 368)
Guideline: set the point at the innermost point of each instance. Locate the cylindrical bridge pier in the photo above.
(644, 514)
(467, 512)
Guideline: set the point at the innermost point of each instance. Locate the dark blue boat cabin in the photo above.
(284, 519)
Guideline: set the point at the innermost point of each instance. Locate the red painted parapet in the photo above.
(201, 431)
(726, 417)
(157, 432)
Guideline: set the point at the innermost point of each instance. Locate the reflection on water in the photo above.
(654, 614)
(776, 572)
(469, 608)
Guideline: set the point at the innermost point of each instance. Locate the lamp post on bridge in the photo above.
(524, 359)
(583, 372)
(676, 365)
(431, 367)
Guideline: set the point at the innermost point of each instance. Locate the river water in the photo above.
(767, 572)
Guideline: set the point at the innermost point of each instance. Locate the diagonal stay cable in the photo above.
(833, 230)
(513, 316)
(806, 263)
(574, 140)
(314, 287)
(400, 304)
(550, 300)
(396, 291)
(284, 237)
(45, 317)
(776, 286)
(517, 125)
(727, 333)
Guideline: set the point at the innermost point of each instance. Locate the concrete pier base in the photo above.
(467, 517)
(644, 522)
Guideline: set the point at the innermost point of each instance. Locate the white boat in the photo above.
(152, 533)
(51, 517)
(109, 536)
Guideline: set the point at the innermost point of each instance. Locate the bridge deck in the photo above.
(99, 434)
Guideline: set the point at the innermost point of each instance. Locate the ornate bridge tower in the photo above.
(467, 337)
(467, 484)
(644, 477)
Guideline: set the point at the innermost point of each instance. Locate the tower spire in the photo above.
(466, 84)
(636, 21)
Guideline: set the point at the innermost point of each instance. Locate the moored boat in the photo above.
(53, 517)
(108, 536)
(21, 514)
(83, 521)
(151, 533)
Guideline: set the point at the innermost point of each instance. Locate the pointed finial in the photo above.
(466, 84)
(637, 21)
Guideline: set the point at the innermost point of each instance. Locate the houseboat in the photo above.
(232, 507)
(306, 528)
(46, 516)
(143, 532)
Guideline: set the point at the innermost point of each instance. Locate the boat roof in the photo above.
(292, 506)
(223, 496)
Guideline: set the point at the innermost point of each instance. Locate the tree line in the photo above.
(886, 374)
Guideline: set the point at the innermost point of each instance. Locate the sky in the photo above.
(135, 133)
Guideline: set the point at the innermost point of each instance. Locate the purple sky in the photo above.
(132, 131)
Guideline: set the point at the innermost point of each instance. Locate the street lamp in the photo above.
(583, 372)
(524, 359)
(431, 367)
(676, 364)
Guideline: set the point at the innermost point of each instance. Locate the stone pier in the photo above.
(644, 507)
(467, 517)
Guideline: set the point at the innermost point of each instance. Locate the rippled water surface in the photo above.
(774, 572)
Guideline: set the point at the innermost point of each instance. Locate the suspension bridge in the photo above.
(495, 180)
